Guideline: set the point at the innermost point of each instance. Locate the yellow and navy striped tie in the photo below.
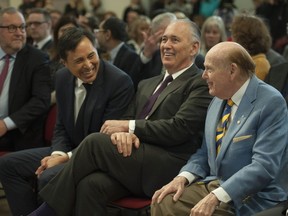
(221, 129)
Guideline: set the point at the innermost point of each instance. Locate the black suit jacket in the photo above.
(175, 124)
(110, 95)
(47, 46)
(126, 59)
(29, 99)
(278, 78)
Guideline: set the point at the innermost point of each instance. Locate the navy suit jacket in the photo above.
(29, 98)
(252, 161)
(110, 95)
(126, 59)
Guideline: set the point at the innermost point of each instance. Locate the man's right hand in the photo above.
(176, 186)
(50, 161)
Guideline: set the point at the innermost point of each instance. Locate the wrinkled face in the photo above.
(83, 62)
(212, 36)
(177, 48)
(219, 78)
(12, 42)
(38, 28)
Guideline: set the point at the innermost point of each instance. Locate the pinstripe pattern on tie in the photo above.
(221, 129)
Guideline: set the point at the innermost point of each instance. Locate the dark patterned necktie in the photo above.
(152, 99)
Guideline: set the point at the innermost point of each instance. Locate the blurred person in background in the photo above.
(212, 32)
(252, 33)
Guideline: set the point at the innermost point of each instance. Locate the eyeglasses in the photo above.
(13, 28)
(99, 30)
(36, 23)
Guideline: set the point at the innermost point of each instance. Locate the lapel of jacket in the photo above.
(96, 91)
(146, 91)
(69, 98)
(175, 84)
(245, 107)
(17, 70)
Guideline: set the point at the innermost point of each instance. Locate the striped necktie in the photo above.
(4, 72)
(221, 129)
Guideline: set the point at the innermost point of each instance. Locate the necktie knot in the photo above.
(87, 86)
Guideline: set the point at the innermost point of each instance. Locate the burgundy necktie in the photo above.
(4, 72)
(152, 99)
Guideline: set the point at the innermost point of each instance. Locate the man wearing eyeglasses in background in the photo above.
(39, 26)
(24, 85)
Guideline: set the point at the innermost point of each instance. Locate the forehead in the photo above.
(176, 28)
(12, 18)
(83, 48)
(35, 16)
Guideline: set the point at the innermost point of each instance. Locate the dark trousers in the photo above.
(17, 175)
(95, 174)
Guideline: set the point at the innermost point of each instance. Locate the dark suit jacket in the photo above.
(126, 59)
(278, 78)
(111, 92)
(175, 124)
(29, 99)
(47, 46)
(154, 67)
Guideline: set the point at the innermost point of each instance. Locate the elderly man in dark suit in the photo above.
(138, 155)
(105, 91)
(24, 86)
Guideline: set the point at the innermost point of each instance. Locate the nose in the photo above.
(205, 75)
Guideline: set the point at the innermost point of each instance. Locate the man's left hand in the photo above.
(206, 206)
(125, 142)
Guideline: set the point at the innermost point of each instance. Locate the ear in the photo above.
(62, 61)
(107, 34)
(234, 68)
(194, 48)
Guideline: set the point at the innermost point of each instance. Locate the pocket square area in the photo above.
(237, 139)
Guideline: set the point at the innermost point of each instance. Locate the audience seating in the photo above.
(132, 206)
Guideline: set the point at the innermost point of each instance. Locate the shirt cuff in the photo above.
(10, 125)
(189, 176)
(143, 58)
(132, 126)
(62, 153)
(221, 195)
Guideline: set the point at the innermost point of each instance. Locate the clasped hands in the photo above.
(124, 141)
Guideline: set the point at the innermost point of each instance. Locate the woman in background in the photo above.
(212, 32)
(252, 33)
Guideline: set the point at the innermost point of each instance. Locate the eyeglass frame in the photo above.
(35, 23)
(13, 28)
(99, 30)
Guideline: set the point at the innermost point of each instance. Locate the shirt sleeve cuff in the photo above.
(222, 195)
(132, 126)
(189, 176)
(10, 125)
(62, 153)
(144, 59)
